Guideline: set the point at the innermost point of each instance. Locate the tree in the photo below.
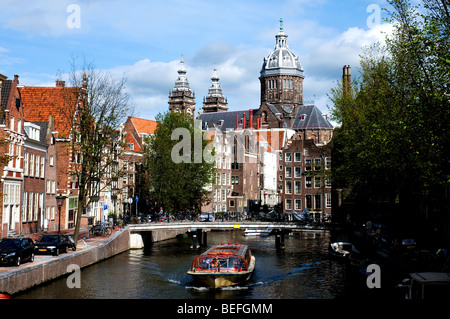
(177, 176)
(101, 104)
(394, 135)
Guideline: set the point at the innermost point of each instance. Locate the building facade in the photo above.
(12, 139)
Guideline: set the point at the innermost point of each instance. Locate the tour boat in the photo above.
(223, 265)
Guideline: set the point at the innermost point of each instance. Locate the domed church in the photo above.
(281, 106)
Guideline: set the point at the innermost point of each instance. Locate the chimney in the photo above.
(237, 121)
(346, 77)
(243, 121)
(16, 78)
(60, 84)
(251, 119)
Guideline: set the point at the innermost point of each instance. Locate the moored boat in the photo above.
(223, 265)
(341, 250)
(257, 232)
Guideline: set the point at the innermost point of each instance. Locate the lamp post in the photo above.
(60, 201)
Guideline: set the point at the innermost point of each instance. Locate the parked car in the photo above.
(53, 244)
(16, 250)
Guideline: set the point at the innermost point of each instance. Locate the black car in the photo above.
(53, 244)
(16, 250)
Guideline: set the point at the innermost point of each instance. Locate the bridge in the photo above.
(152, 232)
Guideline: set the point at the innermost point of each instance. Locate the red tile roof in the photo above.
(40, 102)
(144, 126)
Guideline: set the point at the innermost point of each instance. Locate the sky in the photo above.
(143, 41)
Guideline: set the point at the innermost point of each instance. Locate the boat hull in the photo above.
(219, 279)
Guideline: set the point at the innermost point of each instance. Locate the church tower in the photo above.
(182, 98)
(281, 83)
(215, 101)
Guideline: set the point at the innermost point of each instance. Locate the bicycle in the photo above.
(100, 230)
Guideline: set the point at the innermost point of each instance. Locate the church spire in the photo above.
(181, 98)
(182, 83)
(215, 101)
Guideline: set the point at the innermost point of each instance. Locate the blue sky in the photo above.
(143, 41)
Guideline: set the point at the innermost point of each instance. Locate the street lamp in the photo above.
(60, 201)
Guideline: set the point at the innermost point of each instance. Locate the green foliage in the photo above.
(176, 186)
(394, 135)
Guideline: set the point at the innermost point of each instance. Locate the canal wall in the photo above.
(38, 272)
(35, 273)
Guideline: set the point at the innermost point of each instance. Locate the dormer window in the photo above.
(303, 117)
(33, 131)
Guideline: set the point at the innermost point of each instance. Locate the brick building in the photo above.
(54, 107)
(12, 140)
(135, 131)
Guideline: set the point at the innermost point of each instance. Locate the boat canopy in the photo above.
(233, 257)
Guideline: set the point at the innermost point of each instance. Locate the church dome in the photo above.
(281, 61)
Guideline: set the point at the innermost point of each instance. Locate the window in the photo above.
(31, 164)
(48, 186)
(288, 157)
(288, 204)
(30, 206)
(288, 172)
(36, 206)
(297, 157)
(52, 214)
(308, 182)
(317, 201)
(37, 166)
(298, 204)
(25, 164)
(308, 165)
(298, 187)
(327, 162)
(234, 180)
(224, 179)
(235, 165)
(24, 206)
(50, 159)
(42, 166)
(288, 187)
(297, 172)
(316, 181)
(53, 187)
(317, 165)
(308, 201)
(328, 199)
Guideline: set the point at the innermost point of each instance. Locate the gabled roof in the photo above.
(40, 102)
(144, 126)
(310, 117)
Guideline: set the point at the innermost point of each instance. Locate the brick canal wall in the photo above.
(32, 274)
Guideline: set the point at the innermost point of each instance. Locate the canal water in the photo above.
(302, 270)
